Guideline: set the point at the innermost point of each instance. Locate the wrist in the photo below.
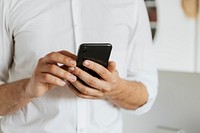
(26, 89)
(117, 91)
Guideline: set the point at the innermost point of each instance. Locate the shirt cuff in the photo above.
(151, 86)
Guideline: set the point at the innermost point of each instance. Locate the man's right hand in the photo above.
(48, 74)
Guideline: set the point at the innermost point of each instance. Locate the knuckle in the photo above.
(52, 68)
(46, 77)
(114, 80)
(102, 72)
(78, 73)
(66, 74)
(108, 89)
(84, 90)
(92, 82)
(52, 55)
(40, 60)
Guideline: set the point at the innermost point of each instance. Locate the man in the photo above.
(40, 91)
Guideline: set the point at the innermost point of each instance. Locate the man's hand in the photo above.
(48, 74)
(95, 88)
(122, 93)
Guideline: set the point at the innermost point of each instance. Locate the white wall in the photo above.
(177, 106)
(175, 38)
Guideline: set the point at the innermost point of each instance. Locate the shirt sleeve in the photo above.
(6, 47)
(140, 56)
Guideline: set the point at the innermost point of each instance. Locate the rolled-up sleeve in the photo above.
(140, 56)
(6, 48)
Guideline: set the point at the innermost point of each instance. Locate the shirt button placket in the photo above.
(81, 103)
(76, 23)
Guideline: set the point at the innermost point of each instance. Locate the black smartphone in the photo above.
(97, 52)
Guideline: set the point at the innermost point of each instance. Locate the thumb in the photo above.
(111, 66)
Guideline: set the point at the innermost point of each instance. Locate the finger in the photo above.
(99, 69)
(66, 53)
(89, 79)
(58, 72)
(98, 84)
(86, 90)
(56, 57)
(71, 69)
(81, 95)
(50, 79)
(111, 66)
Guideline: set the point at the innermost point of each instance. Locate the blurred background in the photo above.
(175, 28)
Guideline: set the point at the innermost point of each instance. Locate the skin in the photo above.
(48, 75)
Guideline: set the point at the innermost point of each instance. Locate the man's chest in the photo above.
(87, 20)
(40, 27)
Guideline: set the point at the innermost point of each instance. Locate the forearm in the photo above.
(129, 95)
(13, 97)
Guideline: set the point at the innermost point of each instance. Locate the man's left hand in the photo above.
(96, 88)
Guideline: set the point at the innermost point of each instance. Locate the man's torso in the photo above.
(39, 27)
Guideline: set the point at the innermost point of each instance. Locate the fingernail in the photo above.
(73, 78)
(87, 63)
(72, 62)
(71, 69)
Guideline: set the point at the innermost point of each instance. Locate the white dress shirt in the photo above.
(30, 29)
